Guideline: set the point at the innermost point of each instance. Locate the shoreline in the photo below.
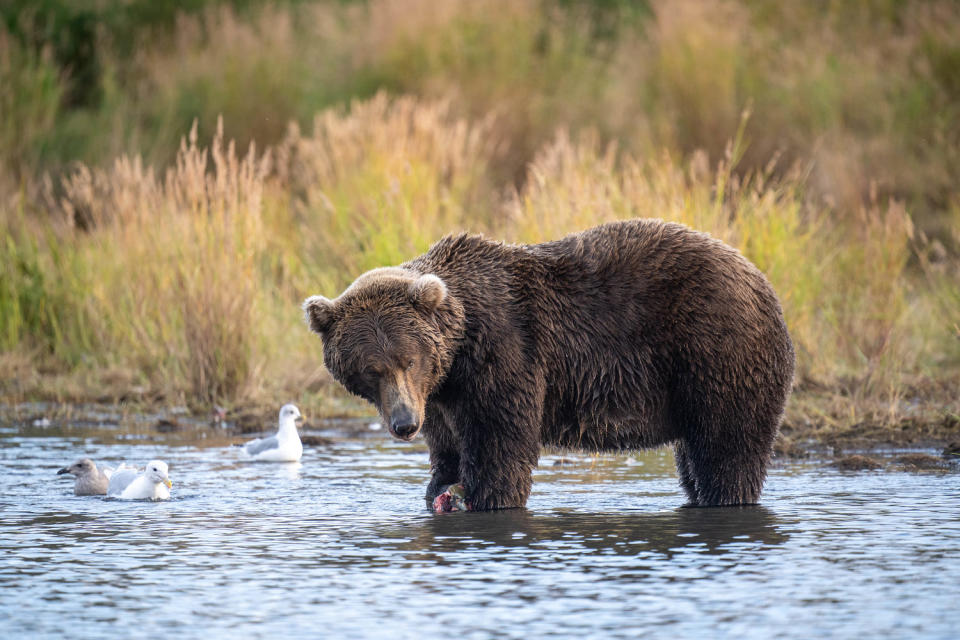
(813, 424)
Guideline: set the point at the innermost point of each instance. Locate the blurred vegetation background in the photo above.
(176, 176)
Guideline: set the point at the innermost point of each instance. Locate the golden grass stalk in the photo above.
(191, 282)
(168, 268)
(378, 184)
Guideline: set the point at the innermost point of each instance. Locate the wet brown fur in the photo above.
(629, 335)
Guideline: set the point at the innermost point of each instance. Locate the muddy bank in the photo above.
(811, 428)
(910, 462)
(940, 433)
(829, 420)
(114, 423)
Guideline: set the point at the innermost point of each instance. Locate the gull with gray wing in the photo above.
(153, 484)
(285, 446)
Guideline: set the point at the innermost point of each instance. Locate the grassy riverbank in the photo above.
(142, 271)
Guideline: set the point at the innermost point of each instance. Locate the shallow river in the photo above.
(341, 545)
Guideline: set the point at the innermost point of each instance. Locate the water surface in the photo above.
(341, 545)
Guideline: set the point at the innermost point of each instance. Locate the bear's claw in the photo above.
(453, 499)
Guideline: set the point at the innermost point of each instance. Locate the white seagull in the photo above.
(152, 484)
(283, 447)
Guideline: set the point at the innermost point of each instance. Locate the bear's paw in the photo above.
(453, 499)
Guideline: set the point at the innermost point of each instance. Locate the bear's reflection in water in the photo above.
(667, 533)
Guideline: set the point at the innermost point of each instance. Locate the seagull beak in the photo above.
(63, 471)
(167, 482)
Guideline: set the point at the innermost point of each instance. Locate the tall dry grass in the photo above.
(156, 274)
(867, 94)
(186, 281)
(191, 281)
(383, 181)
(867, 91)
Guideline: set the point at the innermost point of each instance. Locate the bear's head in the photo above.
(387, 339)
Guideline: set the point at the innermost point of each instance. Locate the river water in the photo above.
(342, 545)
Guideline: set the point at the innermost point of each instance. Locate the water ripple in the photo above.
(343, 545)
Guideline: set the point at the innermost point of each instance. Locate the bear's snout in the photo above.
(403, 423)
(401, 406)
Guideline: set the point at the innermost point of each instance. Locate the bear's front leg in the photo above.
(500, 446)
(444, 454)
(443, 476)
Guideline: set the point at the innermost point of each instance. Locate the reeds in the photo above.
(868, 91)
(380, 183)
(155, 274)
(191, 281)
(509, 118)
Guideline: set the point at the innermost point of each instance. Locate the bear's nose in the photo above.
(403, 424)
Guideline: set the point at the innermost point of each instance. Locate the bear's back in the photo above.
(643, 247)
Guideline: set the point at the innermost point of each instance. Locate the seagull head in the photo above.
(79, 468)
(289, 414)
(157, 472)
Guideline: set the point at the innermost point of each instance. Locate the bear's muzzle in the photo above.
(403, 423)
(399, 407)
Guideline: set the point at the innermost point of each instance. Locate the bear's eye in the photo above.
(409, 364)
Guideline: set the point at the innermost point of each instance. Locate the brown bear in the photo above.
(629, 335)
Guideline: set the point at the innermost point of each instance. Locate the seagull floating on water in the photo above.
(283, 447)
(152, 484)
(90, 481)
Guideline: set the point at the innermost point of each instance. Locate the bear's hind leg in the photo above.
(685, 471)
(728, 471)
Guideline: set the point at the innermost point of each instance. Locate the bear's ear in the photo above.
(427, 292)
(318, 312)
